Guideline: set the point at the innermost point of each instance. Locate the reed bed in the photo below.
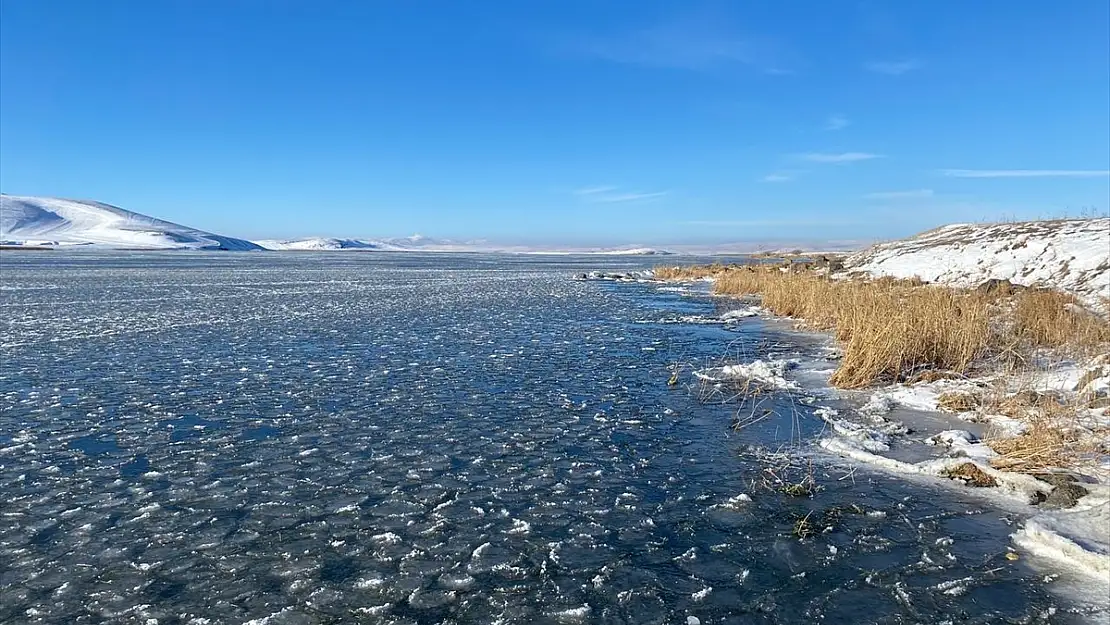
(896, 330)
(891, 330)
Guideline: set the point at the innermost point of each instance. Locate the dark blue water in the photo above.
(403, 438)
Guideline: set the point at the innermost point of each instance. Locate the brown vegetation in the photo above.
(893, 330)
(957, 401)
(691, 272)
(896, 329)
(970, 475)
(1044, 445)
(1046, 318)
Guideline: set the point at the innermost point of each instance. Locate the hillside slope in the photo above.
(44, 221)
(1072, 255)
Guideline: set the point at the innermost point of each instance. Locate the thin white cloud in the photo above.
(843, 157)
(630, 197)
(605, 194)
(836, 122)
(594, 190)
(892, 68)
(900, 195)
(1026, 173)
(776, 178)
(695, 43)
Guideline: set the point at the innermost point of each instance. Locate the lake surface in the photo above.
(287, 438)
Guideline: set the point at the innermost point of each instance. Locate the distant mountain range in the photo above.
(419, 243)
(44, 222)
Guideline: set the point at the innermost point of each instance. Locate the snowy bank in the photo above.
(1071, 255)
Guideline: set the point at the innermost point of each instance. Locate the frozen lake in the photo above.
(289, 438)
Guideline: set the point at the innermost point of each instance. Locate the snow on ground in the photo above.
(1069, 254)
(48, 222)
(963, 443)
(1015, 487)
(1077, 538)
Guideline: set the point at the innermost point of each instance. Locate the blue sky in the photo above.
(606, 122)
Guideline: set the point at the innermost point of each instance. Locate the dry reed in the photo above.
(903, 330)
(1053, 319)
(888, 328)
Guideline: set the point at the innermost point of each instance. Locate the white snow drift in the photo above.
(44, 221)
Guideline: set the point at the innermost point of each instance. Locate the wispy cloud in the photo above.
(900, 195)
(892, 68)
(694, 43)
(594, 190)
(1026, 173)
(776, 178)
(842, 157)
(836, 122)
(630, 197)
(609, 195)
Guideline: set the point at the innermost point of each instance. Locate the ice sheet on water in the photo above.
(328, 437)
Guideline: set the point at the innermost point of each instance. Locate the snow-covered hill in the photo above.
(1068, 254)
(316, 244)
(44, 221)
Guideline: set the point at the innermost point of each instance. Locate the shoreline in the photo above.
(871, 425)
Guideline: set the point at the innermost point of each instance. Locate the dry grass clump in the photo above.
(1021, 404)
(971, 475)
(1055, 436)
(890, 332)
(932, 375)
(1044, 318)
(1044, 445)
(689, 272)
(957, 401)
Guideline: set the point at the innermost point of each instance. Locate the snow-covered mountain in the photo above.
(45, 221)
(1068, 254)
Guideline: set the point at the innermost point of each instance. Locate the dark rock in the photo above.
(1056, 479)
(1065, 495)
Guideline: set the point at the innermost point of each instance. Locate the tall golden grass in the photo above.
(1044, 318)
(891, 329)
(887, 328)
